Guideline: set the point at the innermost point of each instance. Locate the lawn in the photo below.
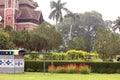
(48, 76)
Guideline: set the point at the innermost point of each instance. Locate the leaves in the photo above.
(57, 8)
(106, 43)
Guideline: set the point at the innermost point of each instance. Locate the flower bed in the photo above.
(70, 68)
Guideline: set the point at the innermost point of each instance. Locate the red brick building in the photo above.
(20, 14)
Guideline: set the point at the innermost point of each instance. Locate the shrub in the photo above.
(84, 69)
(97, 67)
(72, 68)
(29, 70)
(118, 71)
(60, 69)
(51, 68)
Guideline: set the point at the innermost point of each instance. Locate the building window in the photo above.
(9, 18)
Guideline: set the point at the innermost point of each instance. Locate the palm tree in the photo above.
(57, 8)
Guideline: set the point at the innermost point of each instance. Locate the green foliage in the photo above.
(85, 70)
(57, 8)
(52, 69)
(8, 28)
(106, 43)
(85, 26)
(96, 67)
(54, 38)
(70, 68)
(20, 38)
(38, 41)
(34, 56)
(78, 55)
(60, 69)
(77, 44)
(43, 37)
(5, 40)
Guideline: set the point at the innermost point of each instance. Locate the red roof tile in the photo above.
(27, 13)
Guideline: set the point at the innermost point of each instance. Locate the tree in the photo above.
(106, 43)
(117, 24)
(54, 37)
(77, 44)
(5, 40)
(85, 26)
(57, 8)
(8, 28)
(25, 37)
(38, 41)
(20, 38)
(74, 17)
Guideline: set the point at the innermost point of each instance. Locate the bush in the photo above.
(118, 71)
(85, 69)
(51, 69)
(97, 67)
(60, 69)
(72, 68)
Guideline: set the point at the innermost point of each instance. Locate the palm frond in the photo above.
(67, 10)
(52, 14)
(63, 4)
(53, 4)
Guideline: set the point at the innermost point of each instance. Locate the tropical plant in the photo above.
(57, 8)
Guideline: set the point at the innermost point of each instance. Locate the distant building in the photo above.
(20, 14)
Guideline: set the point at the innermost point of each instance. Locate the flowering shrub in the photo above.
(51, 68)
(60, 69)
(85, 69)
(71, 68)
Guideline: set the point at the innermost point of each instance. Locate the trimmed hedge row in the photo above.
(97, 67)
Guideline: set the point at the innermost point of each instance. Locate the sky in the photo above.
(110, 9)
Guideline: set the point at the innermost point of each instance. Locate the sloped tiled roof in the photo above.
(28, 14)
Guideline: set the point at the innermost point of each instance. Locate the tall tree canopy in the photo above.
(54, 37)
(106, 43)
(85, 25)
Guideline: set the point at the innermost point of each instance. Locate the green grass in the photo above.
(48, 76)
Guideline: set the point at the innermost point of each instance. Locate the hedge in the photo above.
(97, 67)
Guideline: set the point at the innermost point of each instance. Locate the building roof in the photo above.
(26, 13)
(22, 2)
